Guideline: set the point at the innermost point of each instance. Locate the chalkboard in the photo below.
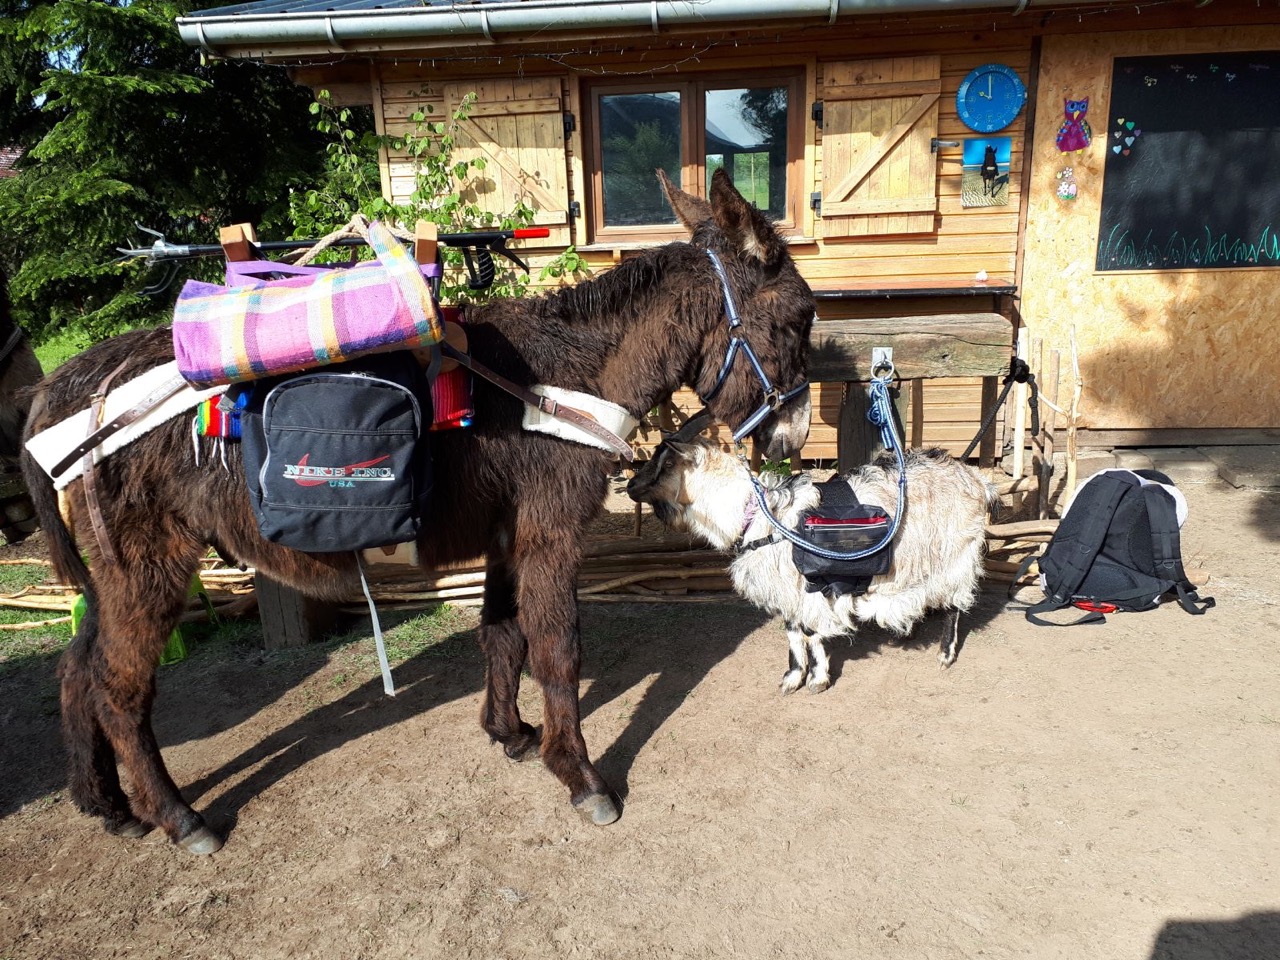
(1192, 178)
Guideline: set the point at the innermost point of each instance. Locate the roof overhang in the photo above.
(273, 29)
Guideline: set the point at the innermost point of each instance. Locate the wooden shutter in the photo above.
(879, 171)
(517, 126)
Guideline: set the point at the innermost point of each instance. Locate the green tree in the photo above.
(134, 128)
(351, 184)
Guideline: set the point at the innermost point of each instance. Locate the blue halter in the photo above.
(773, 399)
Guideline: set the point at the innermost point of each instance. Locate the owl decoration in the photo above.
(1075, 134)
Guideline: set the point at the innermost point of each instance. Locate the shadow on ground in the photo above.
(1254, 936)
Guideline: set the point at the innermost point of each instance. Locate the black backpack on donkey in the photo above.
(1116, 549)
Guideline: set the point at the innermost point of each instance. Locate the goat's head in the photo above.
(694, 487)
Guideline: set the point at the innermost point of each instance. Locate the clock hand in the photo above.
(989, 79)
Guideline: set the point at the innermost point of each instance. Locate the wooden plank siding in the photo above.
(950, 243)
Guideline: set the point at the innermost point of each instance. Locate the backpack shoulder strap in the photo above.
(1166, 549)
(1078, 557)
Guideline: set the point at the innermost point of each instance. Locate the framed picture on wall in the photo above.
(984, 178)
(1191, 180)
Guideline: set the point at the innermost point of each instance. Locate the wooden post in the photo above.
(1020, 424)
(425, 241)
(1050, 388)
(917, 413)
(289, 618)
(237, 242)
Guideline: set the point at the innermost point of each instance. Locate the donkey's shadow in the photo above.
(621, 651)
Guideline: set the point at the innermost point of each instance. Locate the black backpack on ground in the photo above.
(335, 458)
(1116, 549)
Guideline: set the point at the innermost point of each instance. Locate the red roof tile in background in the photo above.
(8, 159)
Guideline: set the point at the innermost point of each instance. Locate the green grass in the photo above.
(20, 646)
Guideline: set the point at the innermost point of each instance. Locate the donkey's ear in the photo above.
(689, 210)
(743, 224)
(690, 452)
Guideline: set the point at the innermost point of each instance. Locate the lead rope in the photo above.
(388, 687)
(881, 415)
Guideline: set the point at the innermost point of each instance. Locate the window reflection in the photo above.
(746, 134)
(638, 134)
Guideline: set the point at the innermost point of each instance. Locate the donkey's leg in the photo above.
(950, 647)
(91, 763)
(797, 659)
(547, 611)
(505, 649)
(141, 599)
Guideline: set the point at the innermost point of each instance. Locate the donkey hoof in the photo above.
(201, 841)
(522, 752)
(130, 829)
(598, 808)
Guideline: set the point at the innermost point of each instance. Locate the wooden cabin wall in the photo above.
(1150, 344)
(963, 241)
(1161, 349)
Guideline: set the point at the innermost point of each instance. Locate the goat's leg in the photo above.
(140, 601)
(546, 573)
(950, 647)
(505, 650)
(92, 776)
(797, 659)
(820, 671)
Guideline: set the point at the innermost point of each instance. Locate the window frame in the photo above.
(693, 167)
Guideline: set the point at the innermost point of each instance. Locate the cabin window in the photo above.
(690, 129)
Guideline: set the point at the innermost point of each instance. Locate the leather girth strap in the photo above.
(89, 474)
(545, 404)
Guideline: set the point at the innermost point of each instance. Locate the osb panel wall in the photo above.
(1162, 349)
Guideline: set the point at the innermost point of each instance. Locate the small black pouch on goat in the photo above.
(842, 524)
(336, 458)
(1116, 548)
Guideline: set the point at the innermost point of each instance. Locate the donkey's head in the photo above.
(751, 375)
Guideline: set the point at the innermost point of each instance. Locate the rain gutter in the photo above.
(506, 21)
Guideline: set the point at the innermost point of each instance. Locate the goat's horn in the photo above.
(693, 426)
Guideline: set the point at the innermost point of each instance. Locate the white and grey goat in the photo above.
(695, 487)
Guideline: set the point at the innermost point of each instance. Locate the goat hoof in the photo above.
(791, 682)
(202, 841)
(130, 829)
(598, 808)
(817, 686)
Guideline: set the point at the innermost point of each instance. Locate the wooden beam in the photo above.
(950, 345)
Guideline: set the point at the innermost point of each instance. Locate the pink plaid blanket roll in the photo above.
(228, 334)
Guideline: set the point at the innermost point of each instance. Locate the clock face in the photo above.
(990, 97)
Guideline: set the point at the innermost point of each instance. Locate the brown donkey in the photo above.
(632, 336)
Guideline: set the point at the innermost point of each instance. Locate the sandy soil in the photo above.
(1099, 792)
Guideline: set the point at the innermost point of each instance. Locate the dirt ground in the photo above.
(1098, 792)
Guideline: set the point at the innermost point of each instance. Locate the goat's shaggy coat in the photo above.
(631, 336)
(937, 559)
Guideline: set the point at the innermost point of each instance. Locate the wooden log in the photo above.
(1047, 423)
(949, 345)
(1021, 528)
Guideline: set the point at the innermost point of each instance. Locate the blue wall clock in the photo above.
(990, 97)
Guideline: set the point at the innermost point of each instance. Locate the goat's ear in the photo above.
(745, 226)
(689, 210)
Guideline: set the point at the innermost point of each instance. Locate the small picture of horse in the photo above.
(985, 181)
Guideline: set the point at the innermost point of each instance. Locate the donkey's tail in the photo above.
(63, 552)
